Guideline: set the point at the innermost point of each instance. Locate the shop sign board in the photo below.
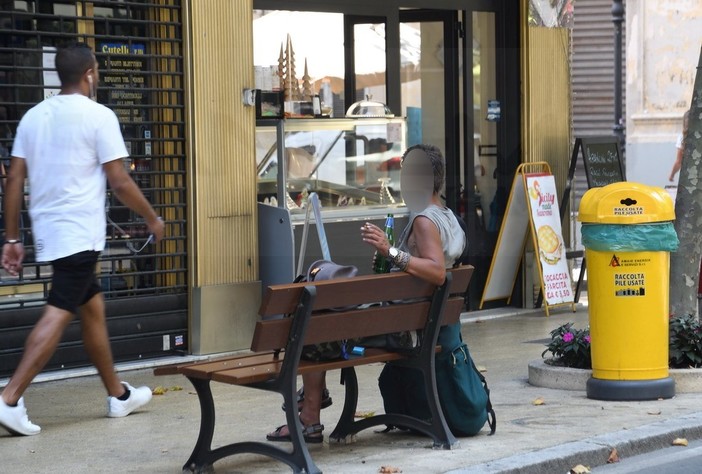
(556, 282)
(532, 207)
(122, 72)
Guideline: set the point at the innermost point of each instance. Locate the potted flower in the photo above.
(570, 347)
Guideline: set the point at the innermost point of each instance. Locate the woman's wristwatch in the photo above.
(399, 258)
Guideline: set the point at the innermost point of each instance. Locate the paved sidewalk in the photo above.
(568, 429)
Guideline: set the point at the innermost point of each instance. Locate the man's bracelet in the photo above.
(13, 241)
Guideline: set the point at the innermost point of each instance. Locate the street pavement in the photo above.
(565, 430)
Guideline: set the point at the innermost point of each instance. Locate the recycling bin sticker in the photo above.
(630, 284)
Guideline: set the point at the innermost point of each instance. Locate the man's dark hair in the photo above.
(72, 61)
(436, 159)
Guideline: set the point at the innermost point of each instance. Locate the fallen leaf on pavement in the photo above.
(679, 442)
(613, 456)
(159, 390)
(580, 469)
(176, 388)
(363, 414)
(539, 401)
(654, 412)
(481, 368)
(389, 470)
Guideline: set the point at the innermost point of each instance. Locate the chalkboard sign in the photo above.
(602, 158)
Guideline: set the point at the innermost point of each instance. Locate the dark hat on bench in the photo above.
(326, 270)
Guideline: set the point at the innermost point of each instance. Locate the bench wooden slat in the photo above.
(460, 277)
(282, 299)
(335, 326)
(205, 369)
(249, 375)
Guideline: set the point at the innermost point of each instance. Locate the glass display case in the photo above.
(352, 164)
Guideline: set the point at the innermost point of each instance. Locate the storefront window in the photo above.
(349, 163)
(292, 44)
(138, 46)
(370, 62)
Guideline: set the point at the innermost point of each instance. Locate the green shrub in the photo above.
(571, 347)
(685, 350)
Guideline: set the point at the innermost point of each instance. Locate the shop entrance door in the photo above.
(485, 203)
(456, 80)
(430, 87)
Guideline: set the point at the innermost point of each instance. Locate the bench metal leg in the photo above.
(345, 426)
(203, 456)
(443, 438)
(436, 428)
(199, 460)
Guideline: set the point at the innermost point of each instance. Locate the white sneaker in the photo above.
(138, 397)
(15, 420)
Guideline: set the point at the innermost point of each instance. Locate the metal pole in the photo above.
(618, 19)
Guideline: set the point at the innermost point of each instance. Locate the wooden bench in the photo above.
(315, 319)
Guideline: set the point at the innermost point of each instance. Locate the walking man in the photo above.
(67, 145)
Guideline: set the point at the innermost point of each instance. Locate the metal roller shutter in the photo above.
(139, 49)
(592, 72)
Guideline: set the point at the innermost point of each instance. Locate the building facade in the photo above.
(662, 54)
(174, 72)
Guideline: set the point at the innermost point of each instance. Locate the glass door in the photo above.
(491, 130)
(430, 78)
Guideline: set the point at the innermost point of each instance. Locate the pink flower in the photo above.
(587, 339)
(567, 337)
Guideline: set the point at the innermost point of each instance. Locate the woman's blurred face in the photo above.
(417, 180)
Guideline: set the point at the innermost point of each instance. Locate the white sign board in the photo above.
(548, 237)
(510, 245)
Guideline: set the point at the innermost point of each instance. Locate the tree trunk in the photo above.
(685, 263)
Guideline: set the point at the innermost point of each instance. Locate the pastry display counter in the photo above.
(354, 167)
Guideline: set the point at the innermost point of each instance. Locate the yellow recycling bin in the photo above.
(628, 233)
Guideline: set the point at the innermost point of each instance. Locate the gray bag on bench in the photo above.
(334, 350)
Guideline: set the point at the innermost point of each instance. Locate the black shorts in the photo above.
(73, 282)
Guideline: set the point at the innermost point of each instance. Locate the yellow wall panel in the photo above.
(547, 102)
(221, 141)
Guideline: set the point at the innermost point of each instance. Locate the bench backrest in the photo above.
(329, 324)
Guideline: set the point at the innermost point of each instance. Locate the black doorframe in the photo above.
(508, 90)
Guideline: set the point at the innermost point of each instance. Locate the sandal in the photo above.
(312, 434)
(326, 399)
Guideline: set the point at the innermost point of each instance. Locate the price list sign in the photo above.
(602, 160)
(122, 73)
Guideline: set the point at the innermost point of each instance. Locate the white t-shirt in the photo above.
(65, 140)
(679, 142)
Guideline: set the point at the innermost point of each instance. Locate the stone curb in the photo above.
(544, 375)
(594, 451)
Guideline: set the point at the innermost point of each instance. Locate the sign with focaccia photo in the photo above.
(532, 208)
(556, 283)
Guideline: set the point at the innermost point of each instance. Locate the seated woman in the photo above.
(431, 243)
